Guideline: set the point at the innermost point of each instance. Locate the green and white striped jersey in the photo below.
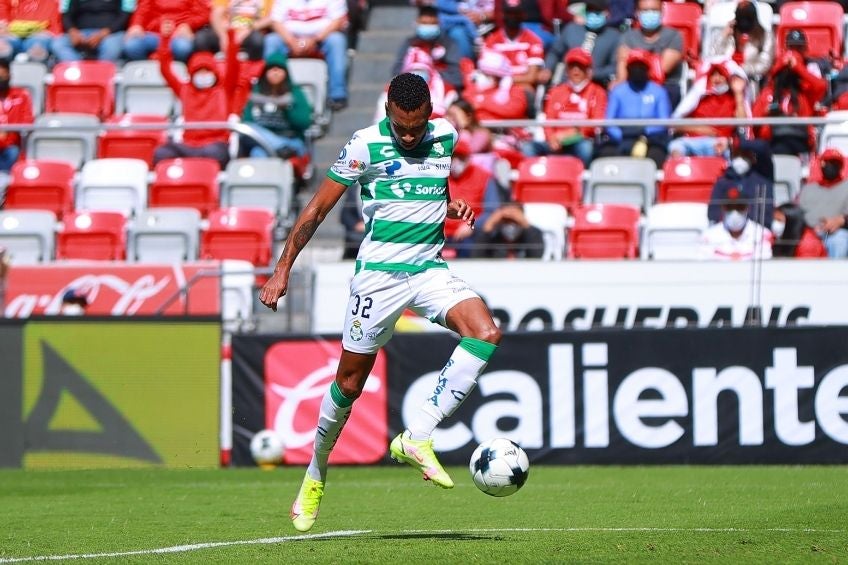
(404, 195)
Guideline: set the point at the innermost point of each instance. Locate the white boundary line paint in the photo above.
(351, 533)
(185, 548)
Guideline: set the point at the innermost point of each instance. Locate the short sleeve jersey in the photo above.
(404, 195)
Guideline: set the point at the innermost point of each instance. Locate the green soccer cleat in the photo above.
(419, 454)
(304, 510)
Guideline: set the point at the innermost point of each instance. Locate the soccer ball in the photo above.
(499, 467)
(267, 449)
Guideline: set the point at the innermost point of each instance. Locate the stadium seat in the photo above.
(64, 137)
(719, 14)
(238, 233)
(30, 75)
(673, 230)
(85, 87)
(312, 75)
(28, 235)
(835, 134)
(689, 179)
(259, 183)
(604, 231)
(130, 142)
(237, 281)
(191, 182)
(621, 180)
(685, 17)
(552, 219)
(141, 89)
(164, 235)
(41, 185)
(787, 178)
(118, 185)
(822, 23)
(557, 179)
(95, 235)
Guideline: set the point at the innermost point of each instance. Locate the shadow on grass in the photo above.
(458, 536)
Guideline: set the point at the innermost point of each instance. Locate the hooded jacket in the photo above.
(288, 113)
(759, 178)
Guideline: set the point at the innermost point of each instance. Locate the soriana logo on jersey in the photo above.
(297, 374)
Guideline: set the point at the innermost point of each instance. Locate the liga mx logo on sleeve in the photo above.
(297, 374)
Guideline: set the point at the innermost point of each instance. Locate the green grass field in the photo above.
(388, 514)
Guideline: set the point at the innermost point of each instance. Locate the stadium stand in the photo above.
(130, 142)
(689, 179)
(85, 87)
(552, 219)
(64, 137)
(164, 235)
(32, 76)
(686, 18)
(113, 184)
(787, 178)
(556, 178)
(673, 230)
(41, 185)
(28, 235)
(141, 89)
(621, 180)
(95, 235)
(835, 134)
(312, 76)
(821, 21)
(259, 182)
(604, 231)
(190, 182)
(238, 233)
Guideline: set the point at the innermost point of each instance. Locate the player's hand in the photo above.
(274, 289)
(460, 210)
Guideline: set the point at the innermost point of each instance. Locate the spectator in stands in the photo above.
(491, 91)
(462, 116)
(442, 94)
(455, 24)
(305, 29)
(794, 89)
(354, 225)
(664, 42)
(357, 18)
(539, 16)
(792, 236)
(824, 201)
(441, 48)
(278, 111)
(15, 108)
(752, 171)
(621, 13)
(736, 237)
(507, 234)
(576, 99)
(521, 46)
(206, 97)
(250, 19)
(93, 30)
(481, 13)
(720, 92)
(638, 97)
(28, 27)
(596, 36)
(179, 19)
(478, 188)
(746, 41)
(74, 303)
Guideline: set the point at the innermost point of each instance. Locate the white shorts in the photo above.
(378, 298)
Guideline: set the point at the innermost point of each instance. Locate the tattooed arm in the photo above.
(304, 228)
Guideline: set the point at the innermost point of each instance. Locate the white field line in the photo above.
(350, 533)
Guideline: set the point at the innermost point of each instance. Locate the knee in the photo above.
(350, 384)
(489, 333)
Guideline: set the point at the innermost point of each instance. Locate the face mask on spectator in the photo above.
(650, 20)
(741, 166)
(831, 170)
(595, 20)
(427, 32)
(734, 220)
(723, 88)
(777, 228)
(203, 79)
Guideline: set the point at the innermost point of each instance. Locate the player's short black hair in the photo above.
(409, 92)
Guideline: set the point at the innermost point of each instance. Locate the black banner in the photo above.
(729, 396)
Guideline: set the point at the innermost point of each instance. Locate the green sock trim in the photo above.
(478, 348)
(340, 399)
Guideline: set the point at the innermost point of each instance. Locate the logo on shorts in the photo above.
(356, 330)
(374, 334)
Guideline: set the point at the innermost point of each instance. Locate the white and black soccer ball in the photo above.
(499, 467)
(267, 449)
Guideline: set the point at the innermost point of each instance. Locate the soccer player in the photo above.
(402, 164)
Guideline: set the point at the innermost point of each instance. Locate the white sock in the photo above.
(335, 410)
(456, 380)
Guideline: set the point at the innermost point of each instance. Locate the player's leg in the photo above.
(450, 301)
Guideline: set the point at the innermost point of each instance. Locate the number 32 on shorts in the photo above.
(361, 306)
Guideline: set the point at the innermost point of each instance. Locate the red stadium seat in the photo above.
(238, 233)
(42, 185)
(604, 231)
(685, 17)
(821, 21)
(557, 179)
(92, 235)
(84, 87)
(690, 179)
(191, 183)
(132, 143)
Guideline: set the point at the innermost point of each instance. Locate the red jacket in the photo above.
(15, 108)
(550, 9)
(761, 109)
(471, 187)
(564, 103)
(32, 10)
(151, 13)
(497, 104)
(214, 104)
